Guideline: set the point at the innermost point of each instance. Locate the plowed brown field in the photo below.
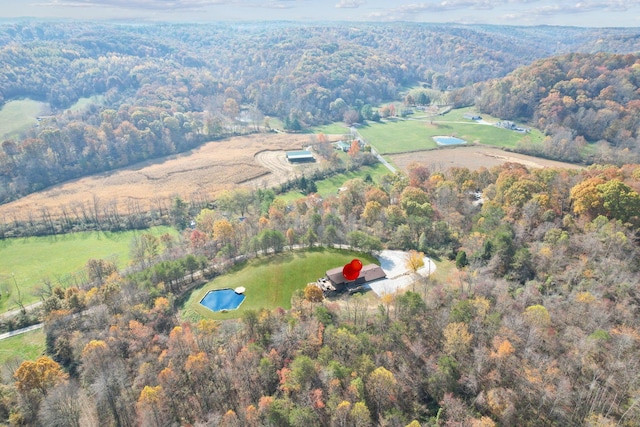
(253, 161)
(473, 157)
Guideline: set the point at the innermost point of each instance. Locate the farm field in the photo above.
(270, 281)
(472, 157)
(19, 116)
(209, 169)
(29, 260)
(329, 186)
(27, 346)
(405, 135)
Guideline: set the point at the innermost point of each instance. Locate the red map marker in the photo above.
(351, 271)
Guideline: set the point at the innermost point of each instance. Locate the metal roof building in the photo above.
(300, 156)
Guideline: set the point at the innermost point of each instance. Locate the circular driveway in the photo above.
(398, 275)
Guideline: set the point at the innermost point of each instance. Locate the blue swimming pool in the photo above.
(448, 140)
(222, 300)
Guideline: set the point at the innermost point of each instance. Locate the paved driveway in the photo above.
(398, 275)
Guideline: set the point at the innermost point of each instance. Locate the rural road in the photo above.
(21, 331)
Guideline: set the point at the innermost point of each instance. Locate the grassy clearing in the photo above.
(83, 103)
(270, 281)
(16, 117)
(27, 346)
(274, 122)
(412, 135)
(31, 259)
(329, 186)
(444, 270)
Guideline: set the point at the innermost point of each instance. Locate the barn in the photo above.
(302, 156)
(369, 273)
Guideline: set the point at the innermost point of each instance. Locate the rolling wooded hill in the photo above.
(575, 98)
(168, 88)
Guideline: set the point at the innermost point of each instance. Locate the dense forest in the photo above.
(168, 88)
(536, 325)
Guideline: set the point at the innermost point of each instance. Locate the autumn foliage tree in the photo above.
(39, 376)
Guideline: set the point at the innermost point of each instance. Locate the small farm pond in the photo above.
(448, 140)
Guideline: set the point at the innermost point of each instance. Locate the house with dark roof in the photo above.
(369, 273)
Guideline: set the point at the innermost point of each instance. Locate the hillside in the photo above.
(166, 89)
(576, 99)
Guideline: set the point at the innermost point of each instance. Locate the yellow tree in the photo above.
(382, 388)
(313, 293)
(586, 197)
(538, 315)
(39, 376)
(372, 211)
(223, 231)
(149, 400)
(414, 261)
(360, 415)
(457, 339)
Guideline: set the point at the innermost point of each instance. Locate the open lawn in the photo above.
(329, 186)
(405, 135)
(29, 260)
(19, 116)
(337, 128)
(27, 346)
(270, 281)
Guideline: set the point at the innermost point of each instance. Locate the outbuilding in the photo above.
(302, 156)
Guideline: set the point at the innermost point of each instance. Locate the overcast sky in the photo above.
(588, 13)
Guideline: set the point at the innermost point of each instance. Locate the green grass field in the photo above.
(29, 260)
(329, 186)
(19, 116)
(337, 128)
(83, 103)
(416, 134)
(398, 137)
(270, 281)
(27, 346)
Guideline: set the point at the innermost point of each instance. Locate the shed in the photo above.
(301, 156)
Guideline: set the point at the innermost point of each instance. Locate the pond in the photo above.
(222, 300)
(448, 140)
